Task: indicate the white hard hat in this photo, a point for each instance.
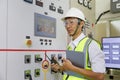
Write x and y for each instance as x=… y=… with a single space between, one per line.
x=74 y=12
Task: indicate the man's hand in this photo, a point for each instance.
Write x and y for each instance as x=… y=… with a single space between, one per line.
x=67 y=65
x=55 y=67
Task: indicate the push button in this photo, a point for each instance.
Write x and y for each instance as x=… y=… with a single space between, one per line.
x=28 y=42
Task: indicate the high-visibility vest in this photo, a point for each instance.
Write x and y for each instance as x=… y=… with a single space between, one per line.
x=81 y=47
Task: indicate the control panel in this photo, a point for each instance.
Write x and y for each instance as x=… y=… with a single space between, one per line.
x=115 y=6
x=34 y=65
x=39 y=26
x=30 y=35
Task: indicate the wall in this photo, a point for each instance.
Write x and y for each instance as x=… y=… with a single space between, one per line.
x=115 y=28
x=102 y=29
x=89 y=14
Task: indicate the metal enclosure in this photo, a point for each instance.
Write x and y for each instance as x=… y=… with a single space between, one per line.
x=23 y=54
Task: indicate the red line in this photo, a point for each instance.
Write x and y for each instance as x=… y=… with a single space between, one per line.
x=29 y=50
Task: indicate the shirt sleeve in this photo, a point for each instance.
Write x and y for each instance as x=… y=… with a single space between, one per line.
x=96 y=57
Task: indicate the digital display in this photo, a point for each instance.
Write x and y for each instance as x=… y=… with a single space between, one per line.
x=111 y=49
x=45 y=26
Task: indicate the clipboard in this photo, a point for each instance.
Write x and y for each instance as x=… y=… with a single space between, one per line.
x=77 y=59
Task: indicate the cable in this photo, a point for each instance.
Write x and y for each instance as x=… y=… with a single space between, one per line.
x=52 y=60
x=101 y=15
x=79 y=20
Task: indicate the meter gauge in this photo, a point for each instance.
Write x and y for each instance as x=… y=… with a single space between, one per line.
x=85 y=3
x=89 y=4
x=80 y=1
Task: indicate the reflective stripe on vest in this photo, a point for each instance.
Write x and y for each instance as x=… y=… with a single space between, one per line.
x=81 y=47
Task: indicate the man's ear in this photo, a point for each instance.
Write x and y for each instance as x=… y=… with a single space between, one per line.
x=82 y=23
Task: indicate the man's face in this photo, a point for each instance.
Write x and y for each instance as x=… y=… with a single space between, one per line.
x=71 y=24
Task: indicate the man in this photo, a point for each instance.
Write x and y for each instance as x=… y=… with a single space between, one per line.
x=74 y=22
